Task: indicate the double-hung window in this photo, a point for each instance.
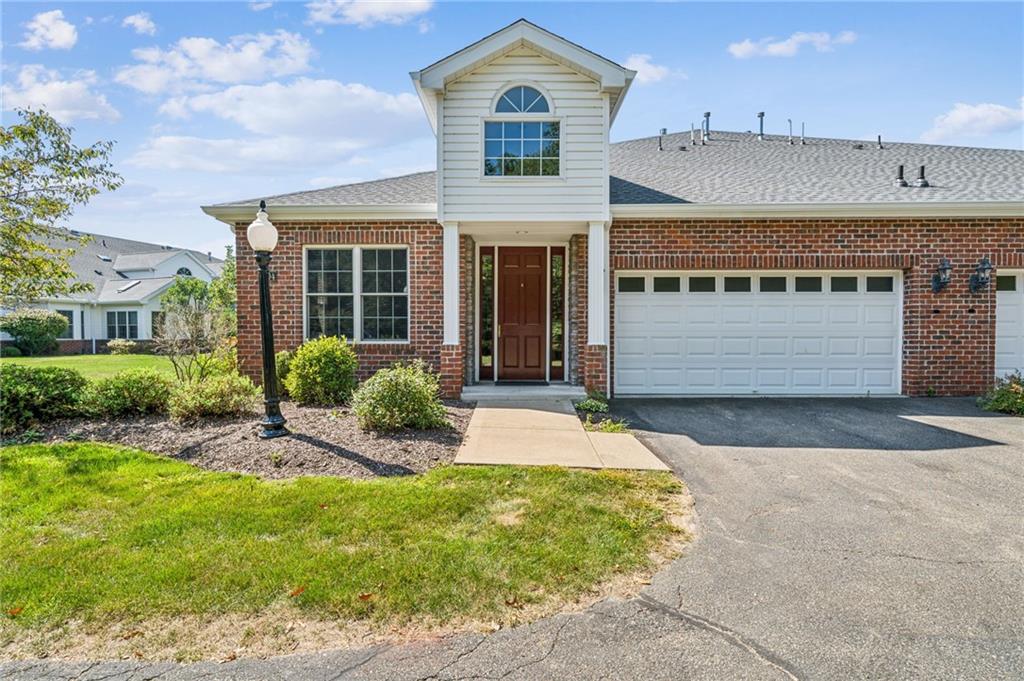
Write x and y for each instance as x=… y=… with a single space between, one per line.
x=522 y=140
x=70 y=331
x=123 y=324
x=361 y=293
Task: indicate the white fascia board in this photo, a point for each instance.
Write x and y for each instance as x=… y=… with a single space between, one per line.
x=204 y=265
x=428 y=99
x=611 y=75
x=398 y=211
x=821 y=210
x=145 y=299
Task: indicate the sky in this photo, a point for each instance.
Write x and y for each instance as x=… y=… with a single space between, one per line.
x=218 y=101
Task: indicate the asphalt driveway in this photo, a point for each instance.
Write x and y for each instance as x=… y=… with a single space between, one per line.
x=849 y=538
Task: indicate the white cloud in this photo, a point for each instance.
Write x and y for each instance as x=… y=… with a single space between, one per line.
x=649 y=72
x=770 y=47
x=50 y=30
x=67 y=100
x=367 y=13
x=334 y=121
x=141 y=23
x=260 y=6
x=975 y=120
x=194 y=63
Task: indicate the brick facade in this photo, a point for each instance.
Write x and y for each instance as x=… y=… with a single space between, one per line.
x=948 y=338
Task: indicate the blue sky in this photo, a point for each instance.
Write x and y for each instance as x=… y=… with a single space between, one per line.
x=218 y=101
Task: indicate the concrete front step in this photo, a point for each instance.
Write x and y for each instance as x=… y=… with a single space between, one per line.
x=516 y=393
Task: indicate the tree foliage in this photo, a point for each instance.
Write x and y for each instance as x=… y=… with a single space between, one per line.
x=35 y=331
x=43 y=176
x=194 y=330
x=225 y=291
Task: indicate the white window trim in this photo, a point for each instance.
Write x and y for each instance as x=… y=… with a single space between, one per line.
x=523 y=118
x=71 y=323
x=106 y=324
x=357 y=288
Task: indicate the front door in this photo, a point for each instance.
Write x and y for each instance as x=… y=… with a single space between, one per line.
x=522 y=313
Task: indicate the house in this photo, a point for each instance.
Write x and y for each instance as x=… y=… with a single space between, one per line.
x=693 y=263
x=127 y=277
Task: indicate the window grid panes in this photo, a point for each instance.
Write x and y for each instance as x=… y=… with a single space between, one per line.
x=329 y=297
x=385 y=298
x=70 y=331
x=521 y=148
x=123 y=324
x=521 y=99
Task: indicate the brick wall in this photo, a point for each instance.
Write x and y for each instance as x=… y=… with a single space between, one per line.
x=948 y=338
x=423 y=238
x=577 y=341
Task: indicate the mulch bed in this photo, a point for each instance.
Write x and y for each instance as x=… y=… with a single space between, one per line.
x=323 y=441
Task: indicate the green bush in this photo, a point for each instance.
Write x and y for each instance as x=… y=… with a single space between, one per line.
x=404 y=396
x=1007 y=396
x=35 y=331
x=322 y=371
x=122 y=346
x=592 y=405
x=30 y=395
x=219 y=395
x=132 y=391
x=283 y=360
x=10 y=351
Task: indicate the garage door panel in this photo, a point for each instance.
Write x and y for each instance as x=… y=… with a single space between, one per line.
x=1010 y=322
x=740 y=342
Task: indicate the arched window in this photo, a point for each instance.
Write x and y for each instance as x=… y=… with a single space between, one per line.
x=184 y=272
x=522 y=99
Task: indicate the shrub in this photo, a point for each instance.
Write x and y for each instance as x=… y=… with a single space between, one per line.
x=399 y=397
x=122 y=346
x=1007 y=396
x=220 y=395
x=608 y=425
x=592 y=405
x=283 y=360
x=322 y=371
x=30 y=395
x=224 y=359
x=35 y=331
x=10 y=351
x=132 y=391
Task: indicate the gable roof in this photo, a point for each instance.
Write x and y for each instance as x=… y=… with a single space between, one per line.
x=99 y=260
x=124 y=291
x=611 y=77
x=732 y=169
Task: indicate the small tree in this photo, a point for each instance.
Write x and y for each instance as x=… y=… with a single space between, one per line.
x=35 y=331
x=194 y=330
x=225 y=292
x=43 y=176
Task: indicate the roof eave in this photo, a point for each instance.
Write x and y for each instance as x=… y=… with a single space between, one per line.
x=232 y=215
x=812 y=210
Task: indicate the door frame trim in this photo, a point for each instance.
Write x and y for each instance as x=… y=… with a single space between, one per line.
x=547 y=245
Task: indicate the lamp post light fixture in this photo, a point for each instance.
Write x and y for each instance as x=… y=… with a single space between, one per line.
x=940 y=279
x=262 y=236
x=982 y=275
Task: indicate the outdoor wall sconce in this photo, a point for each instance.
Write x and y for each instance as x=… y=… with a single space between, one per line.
x=982 y=275
x=940 y=279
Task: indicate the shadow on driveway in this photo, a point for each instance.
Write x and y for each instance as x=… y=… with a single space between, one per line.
x=818 y=423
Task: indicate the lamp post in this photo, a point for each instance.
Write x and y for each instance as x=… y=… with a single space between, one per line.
x=262 y=236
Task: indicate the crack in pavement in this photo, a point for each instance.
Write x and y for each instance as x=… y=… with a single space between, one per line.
x=546 y=655
x=732 y=637
x=458 y=658
x=370 y=655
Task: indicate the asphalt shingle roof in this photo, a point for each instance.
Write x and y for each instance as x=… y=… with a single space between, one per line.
x=737 y=168
x=97 y=261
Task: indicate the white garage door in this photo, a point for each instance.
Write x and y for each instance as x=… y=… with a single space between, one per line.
x=766 y=333
x=1009 y=322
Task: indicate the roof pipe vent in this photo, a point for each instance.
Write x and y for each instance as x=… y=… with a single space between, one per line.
x=920 y=181
x=760 y=125
x=803 y=140
x=707 y=125
x=790 y=121
x=880 y=142
x=693 y=139
x=661 y=133
x=899 y=181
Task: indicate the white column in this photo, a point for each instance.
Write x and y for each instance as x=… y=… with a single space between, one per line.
x=597 y=284
x=451 y=283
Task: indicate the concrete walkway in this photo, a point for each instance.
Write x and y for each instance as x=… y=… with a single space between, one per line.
x=547 y=433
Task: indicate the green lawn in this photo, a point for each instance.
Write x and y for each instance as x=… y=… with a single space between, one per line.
x=98 y=366
x=104 y=533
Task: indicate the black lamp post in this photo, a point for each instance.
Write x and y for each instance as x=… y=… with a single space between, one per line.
x=262 y=236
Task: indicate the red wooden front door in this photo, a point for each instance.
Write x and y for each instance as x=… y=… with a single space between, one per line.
x=522 y=313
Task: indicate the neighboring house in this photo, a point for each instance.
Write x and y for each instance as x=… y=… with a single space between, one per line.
x=670 y=265
x=127 y=277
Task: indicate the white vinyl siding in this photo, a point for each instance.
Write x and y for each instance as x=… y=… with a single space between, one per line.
x=1009 y=321
x=579 y=193
x=729 y=333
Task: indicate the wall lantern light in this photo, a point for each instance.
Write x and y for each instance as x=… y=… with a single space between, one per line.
x=940 y=279
x=982 y=275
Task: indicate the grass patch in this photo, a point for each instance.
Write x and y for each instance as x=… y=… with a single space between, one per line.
x=606 y=425
x=99 y=533
x=98 y=366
